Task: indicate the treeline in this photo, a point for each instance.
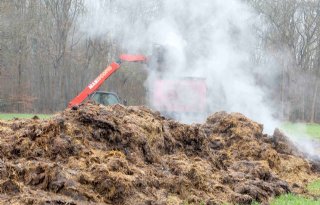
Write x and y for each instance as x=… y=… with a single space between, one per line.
x=45 y=61
x=292 y=36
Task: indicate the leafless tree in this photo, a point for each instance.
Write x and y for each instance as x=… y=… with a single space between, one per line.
x=45 y=61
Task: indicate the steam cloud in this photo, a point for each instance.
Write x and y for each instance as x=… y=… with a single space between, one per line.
x=208 y=39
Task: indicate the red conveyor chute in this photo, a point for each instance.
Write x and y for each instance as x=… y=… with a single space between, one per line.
x=95 y=85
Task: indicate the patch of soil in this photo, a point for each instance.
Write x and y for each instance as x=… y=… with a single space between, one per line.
x=94 y=154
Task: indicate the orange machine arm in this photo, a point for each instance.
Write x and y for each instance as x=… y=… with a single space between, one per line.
x=95 y=85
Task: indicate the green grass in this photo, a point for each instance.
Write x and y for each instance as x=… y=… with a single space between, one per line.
x=290 y=199
x=302 y=130
x=314 y=187
x=10 y=116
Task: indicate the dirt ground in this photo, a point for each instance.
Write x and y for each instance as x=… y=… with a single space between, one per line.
x=130 y=155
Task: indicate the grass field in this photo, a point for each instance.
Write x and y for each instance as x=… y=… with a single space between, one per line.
x=314 y=187
x=302 y=130
x=290 y=199
x=10 y=116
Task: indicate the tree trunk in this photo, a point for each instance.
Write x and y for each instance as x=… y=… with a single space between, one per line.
x=282 y=93
x=19 y=90
x=314 y=100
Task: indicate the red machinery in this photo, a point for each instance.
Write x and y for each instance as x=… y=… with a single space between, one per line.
x=95 y=85
x=167 y=94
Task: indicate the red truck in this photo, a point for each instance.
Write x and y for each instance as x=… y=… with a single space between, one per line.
x=179 y=95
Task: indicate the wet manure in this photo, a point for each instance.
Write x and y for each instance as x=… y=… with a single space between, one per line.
x=132 y=155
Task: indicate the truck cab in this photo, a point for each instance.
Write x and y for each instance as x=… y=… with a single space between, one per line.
x=105 y=98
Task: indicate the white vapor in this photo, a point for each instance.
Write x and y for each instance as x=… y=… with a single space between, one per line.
x=211 y=39
x=303 y=141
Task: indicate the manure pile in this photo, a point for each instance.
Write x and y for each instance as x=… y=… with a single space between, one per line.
x=130 y=155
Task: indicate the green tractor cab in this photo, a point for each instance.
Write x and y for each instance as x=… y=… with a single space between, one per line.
x=106 y=98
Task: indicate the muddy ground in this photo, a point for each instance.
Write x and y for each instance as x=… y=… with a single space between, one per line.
x=131 y=155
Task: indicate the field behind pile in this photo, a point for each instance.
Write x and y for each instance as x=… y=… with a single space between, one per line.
x=10 y=116
x=308 y=130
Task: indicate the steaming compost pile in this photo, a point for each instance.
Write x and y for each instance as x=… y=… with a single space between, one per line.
x=130 y=155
